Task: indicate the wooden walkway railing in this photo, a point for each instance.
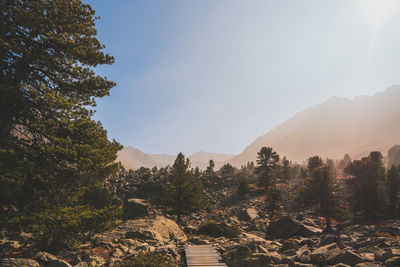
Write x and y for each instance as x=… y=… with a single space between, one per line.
x=202 y=256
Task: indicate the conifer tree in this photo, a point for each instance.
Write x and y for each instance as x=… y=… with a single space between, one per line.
x=185 y=192
x=365 y=185
x=393 y=188
x=318 y=189
x=267 y=160
x=285 y=169
x=273 y=200
x=51 y=150
x=243 y=188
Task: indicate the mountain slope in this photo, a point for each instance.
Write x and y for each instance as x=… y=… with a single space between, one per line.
x=132 y=158
x=334 y=128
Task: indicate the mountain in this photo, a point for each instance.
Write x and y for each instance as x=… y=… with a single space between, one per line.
x=132 y=158
x=201 y=159
x=333 y=128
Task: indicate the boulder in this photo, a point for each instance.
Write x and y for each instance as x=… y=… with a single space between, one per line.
x=326 y=240
x=392 y=262
x=44 y=258
x=136 y=208
x=303 y=254
x=249 y=214
x=308 y=231
x=158 y=230
x=350 y=258
x=383 y=255
x=290 y=244
x=284 y=227
x=326 y=254
x=12 y=262
x=58 y=263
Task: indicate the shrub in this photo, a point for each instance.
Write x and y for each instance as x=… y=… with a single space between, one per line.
x=68 y=226
x=219 y=229
x=148 y=259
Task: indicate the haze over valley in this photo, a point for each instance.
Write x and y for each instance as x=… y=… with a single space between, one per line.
x=330 y=129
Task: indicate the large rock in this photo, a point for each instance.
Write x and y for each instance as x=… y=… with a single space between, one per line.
x=13 y=262
x=286 y=227
x=350 y=258
x=159 y=230
x=308 y=231
x=136 y=208
x=249 y=214
x=326 y=254
x=392 y=262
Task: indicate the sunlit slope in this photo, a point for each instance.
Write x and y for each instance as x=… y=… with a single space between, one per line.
x=334 y=128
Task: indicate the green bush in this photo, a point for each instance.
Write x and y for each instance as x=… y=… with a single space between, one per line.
x=68 y=226
x=219 y=229
x=148 y=259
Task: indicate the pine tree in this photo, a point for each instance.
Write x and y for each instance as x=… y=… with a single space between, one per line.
x=243 y=188
x=285 y=169
x=273 y=200
x=210 y=167
x=318 y=189
x=185 y=193
x=393 y=188
x=365 y=185
x=267 y=160
x=51 y=151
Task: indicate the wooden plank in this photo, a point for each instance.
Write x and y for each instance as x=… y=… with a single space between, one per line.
x=203 y=256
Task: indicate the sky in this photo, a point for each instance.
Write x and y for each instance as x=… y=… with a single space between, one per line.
x=213 y=75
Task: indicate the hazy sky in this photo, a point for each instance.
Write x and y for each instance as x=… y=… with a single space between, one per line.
x=213 y=75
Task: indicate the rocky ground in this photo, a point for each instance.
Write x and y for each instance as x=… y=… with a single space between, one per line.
x=290 y=240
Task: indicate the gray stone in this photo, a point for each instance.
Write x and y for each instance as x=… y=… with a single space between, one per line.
x=383 y=255
x=350 y=258
x=392 y=262
x=308 y=231
x=136 y=208
x=44 y=257
x=249 y=214
x=284 y=227
x=326 y=254
x=326 y=240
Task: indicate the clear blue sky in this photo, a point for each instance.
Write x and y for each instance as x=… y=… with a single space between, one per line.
x=213 y=75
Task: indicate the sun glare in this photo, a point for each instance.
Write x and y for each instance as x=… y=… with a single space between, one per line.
x=377 y=10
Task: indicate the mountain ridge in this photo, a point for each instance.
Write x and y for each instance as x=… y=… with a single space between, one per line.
x=335 y=127
x=133 y=158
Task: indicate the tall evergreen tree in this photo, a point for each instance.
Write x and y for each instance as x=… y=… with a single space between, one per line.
x=210 y=167
x=365 y=185
x=285 y=169
x=318 y=189
x=267 y=160
x=273 y=200
x=51 y=151
x=244 y=181
x=185 y=193
x=313 y=163
x=393 y=188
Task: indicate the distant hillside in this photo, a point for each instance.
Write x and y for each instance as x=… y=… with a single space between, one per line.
x=334 y=128
x=201 y=159
x=132 y=158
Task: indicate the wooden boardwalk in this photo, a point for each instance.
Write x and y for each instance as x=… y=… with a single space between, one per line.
x=202 y=256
